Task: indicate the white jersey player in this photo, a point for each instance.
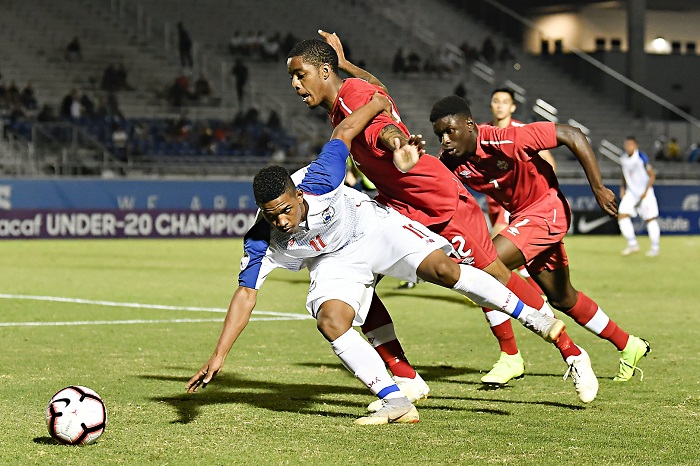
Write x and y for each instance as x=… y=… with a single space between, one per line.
x=638 y=198
x=345 y=240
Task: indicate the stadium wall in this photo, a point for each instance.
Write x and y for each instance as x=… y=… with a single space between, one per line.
x=88 y=208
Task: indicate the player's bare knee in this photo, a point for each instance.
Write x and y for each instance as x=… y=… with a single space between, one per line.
x=439 y=269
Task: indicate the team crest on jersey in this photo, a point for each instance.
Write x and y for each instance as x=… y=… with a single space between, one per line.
x=244 y=261
x=465 y=174
x=291 y=242
x=502 y=165
x=327 y=215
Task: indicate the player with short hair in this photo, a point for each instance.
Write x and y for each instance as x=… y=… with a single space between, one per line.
x=428 y=193
x=638 y=198
x=503 y=164
x=345 y=239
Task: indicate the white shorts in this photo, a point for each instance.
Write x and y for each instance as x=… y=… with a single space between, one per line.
x=647 y=208
x=393 y=245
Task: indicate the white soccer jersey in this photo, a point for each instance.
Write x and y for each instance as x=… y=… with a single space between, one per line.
x=634 y=169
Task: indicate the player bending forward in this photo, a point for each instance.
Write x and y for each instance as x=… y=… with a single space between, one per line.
x=345 y=239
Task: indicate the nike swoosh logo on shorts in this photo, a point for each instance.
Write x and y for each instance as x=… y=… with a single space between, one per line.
x=584 y=226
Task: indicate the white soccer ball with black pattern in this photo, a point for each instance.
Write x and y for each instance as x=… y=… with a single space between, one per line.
x=76 y=415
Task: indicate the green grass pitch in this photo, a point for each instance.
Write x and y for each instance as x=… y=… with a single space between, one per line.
x=284 y=398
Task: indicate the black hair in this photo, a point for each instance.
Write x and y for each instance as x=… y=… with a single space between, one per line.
x=631 y=138
x=451 y=105
x=270 y=183
x=315 y=52
x=507 y=90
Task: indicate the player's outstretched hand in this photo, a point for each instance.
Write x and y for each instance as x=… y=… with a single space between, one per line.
x=205 y=374
x=334 y=41
x=417 y=141
x=405 y=157
x=607 y=201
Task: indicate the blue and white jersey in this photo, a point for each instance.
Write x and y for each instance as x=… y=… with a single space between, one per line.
x=333 y=221
x=634 y=169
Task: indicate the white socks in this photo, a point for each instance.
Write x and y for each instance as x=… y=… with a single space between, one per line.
x=654 y=233
x=365 y=363
x=627 y=230
x=486 y=291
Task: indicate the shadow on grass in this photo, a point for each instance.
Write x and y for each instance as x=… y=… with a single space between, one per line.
x=44 y=440
x=453 y=298
x=553 y=404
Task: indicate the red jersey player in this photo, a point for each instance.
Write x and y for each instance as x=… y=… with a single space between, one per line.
x=504 y=164
x=428 y=193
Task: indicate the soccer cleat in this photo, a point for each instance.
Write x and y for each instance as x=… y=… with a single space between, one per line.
x=508 y=366
x=414 y=389
x=394 y=410
x=549 y=328
x=652 y=253
x=585 y=381
x=630 y=250
x=635 y=350
x=404 y=285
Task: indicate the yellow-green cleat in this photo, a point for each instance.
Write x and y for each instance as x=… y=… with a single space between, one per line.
x=635 y=350
x=508 y=366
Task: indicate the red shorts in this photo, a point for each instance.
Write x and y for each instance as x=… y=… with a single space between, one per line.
x=469 y=234
x=538 y=232
x=497 y=214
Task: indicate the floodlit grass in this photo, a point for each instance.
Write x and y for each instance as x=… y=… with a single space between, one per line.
x=284 y=398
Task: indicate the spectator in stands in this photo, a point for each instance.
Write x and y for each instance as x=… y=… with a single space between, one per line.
x=28 y=97
x=505 y=55
x=109 y=79
x=271 y=48
x=73 y=50
x=398 y=65
x=693 y=153
x=470 y=53
x=673 y=151
x=179 y=91
x=289 y=41
x=120 y=142
x=202 y=89
x=88 y=106
x=413 y=62
x=240 y=73
x=273 y=120
x=206 y=139
x=67 y=104
x=660 y=148
x=184 y=46
x=461 y=91
x=46 y=114
x=3 y=93
x=488 y=50
x=13 y=96
x=121 y=80
x=112 y=107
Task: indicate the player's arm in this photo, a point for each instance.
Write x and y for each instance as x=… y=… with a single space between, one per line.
x=652 y=177
x=356 y=122
x=237 y=317
x=345 y=65
x=623 y=186
x=576 y=141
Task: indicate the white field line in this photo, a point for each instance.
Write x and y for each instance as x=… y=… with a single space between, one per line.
x=273 y=315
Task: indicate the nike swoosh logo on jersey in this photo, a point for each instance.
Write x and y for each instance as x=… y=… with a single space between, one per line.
x=584 y=226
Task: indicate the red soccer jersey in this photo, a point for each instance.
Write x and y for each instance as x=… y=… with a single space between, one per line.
x=507 y=166
x=428 y=193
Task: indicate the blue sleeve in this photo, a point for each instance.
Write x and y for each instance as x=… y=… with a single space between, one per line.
x=644 y=158
x=255 y=244
x=327 y=172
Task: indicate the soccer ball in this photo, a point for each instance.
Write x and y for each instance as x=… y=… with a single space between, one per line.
x=76 y=415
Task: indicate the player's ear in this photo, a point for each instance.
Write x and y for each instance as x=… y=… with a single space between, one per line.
x=325 y=71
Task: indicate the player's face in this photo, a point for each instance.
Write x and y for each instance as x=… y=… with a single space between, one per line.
x=630 y=146
x=308 y=81
x=502 y=105
x=286 y=212
x=455 y=133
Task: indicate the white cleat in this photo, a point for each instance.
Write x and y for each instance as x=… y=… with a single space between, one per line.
x=585 y=381
x=549 y=328
x=395 y=410
x=630 y=250
x=652 y=253
x=414 y=389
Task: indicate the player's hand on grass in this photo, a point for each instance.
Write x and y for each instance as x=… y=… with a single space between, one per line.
x=205 y=374
x=334 y=41
x=406 y=156
x=607 y=201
